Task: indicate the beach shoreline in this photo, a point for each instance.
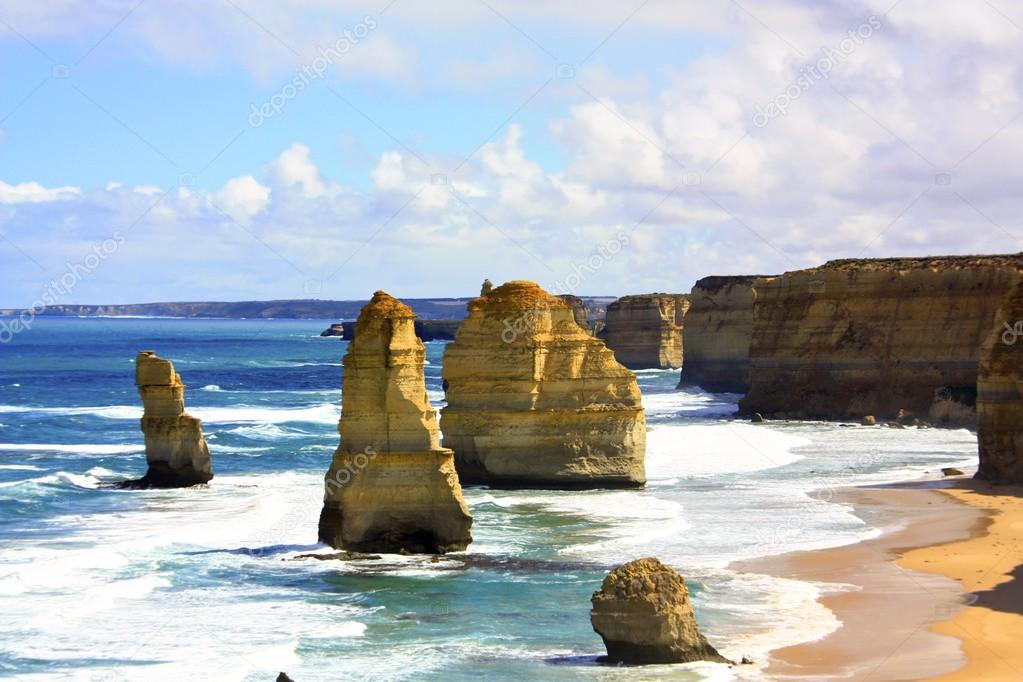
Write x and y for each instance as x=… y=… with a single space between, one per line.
x=931 y=597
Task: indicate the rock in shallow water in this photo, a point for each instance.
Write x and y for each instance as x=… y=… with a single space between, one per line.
x=643 y=613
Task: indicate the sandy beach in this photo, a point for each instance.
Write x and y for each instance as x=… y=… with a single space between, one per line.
x=933 y=597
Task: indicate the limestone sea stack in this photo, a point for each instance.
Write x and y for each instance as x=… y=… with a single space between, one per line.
x=716 y=335
x=878 y=337
x=1000 y=395
x=533 y=401
x=643 y=613
x=390 y=487
x=646 y=331
x=578 y=310
x=176 y=451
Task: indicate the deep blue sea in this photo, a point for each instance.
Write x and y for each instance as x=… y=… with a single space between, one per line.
x=98 y=584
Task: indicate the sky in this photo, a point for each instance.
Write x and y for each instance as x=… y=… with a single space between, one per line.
x=258 y=149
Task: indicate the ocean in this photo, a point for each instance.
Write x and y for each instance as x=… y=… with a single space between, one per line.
x=100 y=584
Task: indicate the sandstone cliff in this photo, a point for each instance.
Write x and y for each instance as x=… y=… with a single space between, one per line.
x=578 y=307
x=1000 y=395
x=176 y=451
x=873 y=337
x=643 y=613
x=716 y=335
x=646 y=331
x=535 y=401
x=390 y=486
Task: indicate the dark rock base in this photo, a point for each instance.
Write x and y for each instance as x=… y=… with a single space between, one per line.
x=160 y=475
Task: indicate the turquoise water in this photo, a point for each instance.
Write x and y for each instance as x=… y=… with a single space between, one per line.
x=98 y=584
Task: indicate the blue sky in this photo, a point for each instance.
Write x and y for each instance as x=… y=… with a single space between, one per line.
x=470 y=139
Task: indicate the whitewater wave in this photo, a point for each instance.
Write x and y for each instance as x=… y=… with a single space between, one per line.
x=76 y=448
x=211 y=387
x=679 y=450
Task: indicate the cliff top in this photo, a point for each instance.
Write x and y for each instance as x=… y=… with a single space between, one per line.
x=644 y=579
x=383 y=305
x=715 y=283
x=636 y=298
x=934 y=262
x=518 y=295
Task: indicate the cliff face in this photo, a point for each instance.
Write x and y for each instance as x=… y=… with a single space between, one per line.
x=578 y=310
x=426 y=330
x=535 y=401
x=646 y=331
x=176 y=451
x=1000 y=396
x=390 y=486
x=717 y=332
x=871 y=337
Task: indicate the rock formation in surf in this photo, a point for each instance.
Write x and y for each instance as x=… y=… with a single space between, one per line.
x=643 y=613
x=873 y=337
x=176 y=452
x=536 y=402
x=646 y=331
x=390 y=487
x=716 y=335
x=1000 y=395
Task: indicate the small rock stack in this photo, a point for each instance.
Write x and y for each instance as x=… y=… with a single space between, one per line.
x=176 y=451
x=643 y=613
x=390 y=487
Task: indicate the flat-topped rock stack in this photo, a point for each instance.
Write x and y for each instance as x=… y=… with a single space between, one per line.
x=876 y=337
x=535 y=401
x=176 y=451
x=646 y=331
x=1000 y=395
x=717 y=332
x=390 y=487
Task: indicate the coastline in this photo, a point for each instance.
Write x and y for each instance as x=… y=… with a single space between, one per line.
x=932 y=597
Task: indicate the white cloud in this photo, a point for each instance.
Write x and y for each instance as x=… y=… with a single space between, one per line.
x=243 y=196
x=33 y=192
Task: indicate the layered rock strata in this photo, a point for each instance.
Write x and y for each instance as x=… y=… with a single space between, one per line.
x=579 y=313
x=390 y=487
x=1000 y=395
x=717 y=332
x=643 y=613
x=646 y=331
x=884 y=337
x=176 y=451
x=534 y=401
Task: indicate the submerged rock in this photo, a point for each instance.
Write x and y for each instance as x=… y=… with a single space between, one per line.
x=951 y=471
x=646 y=331
x=390 y=487
x=176 y=451
x=536 y=402
x=869 y=420
x=643 y=613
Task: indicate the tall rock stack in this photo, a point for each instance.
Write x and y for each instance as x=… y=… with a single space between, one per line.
x=390 y=487
x=876 y=337
x=717 y=332
x=646 y=331
x=176 y=452
x=536 y=402
x=1000 y=395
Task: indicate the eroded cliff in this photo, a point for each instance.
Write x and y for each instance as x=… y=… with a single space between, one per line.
x=717 y=332
x=873 y=337
x=646 y=331
x=1000 y=395
x=535 y=401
